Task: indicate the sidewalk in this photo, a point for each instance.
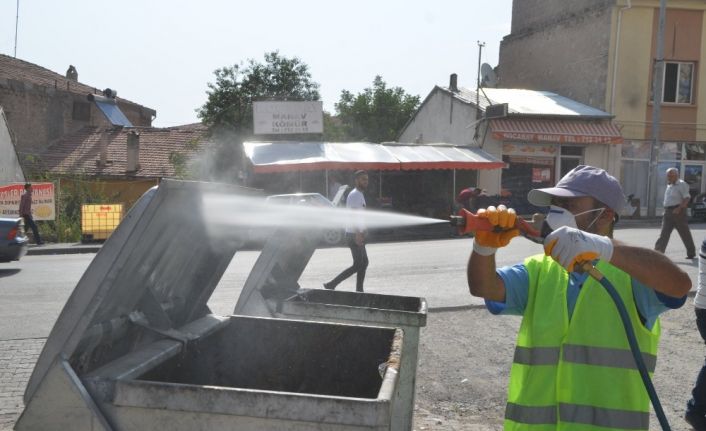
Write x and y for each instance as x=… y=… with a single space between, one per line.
x=62 y=248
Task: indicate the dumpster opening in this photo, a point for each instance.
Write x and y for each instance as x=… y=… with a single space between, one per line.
x=354 y=299
x=285 y=356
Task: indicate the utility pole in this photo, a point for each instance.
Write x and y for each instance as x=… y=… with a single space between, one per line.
x=480 y=51
x=657 y=89
x=17 y=21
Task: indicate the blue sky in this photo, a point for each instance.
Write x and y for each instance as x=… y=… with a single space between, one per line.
x=162 y=54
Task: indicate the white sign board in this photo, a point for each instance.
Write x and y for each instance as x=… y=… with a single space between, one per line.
x=277 y=118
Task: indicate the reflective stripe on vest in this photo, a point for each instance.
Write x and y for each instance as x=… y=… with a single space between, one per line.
x=589 y=355
x=547 y=415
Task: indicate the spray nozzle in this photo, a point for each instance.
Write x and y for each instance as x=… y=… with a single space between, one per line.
x=467 y=222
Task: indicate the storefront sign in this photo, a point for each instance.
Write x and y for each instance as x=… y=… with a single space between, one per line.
x=533 y=150
x=43 y=202
x=541 y=175
x=556 y=138
x=276 y=118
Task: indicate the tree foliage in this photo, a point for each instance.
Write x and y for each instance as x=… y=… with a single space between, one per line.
x=377 y=114
x=230 y=97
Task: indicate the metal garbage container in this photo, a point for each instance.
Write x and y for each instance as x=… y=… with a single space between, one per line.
x=136 y=347
x=272 y=289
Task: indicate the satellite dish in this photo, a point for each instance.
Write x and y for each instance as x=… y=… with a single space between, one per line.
x=488 y=77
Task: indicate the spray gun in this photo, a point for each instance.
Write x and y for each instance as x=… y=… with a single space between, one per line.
x=536 y=230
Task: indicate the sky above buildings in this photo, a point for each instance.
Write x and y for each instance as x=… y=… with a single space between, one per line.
x=162 y=54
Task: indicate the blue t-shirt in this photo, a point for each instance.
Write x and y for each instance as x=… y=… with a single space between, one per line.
x=650 y=303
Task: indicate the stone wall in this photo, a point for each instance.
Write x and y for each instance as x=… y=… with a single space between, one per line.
x=560 y=46
x=38 y=115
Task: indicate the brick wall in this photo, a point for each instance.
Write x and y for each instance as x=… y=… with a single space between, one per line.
x=38 y=115
x=560 y=46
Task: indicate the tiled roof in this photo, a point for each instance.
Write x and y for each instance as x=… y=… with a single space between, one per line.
x=78 y=153
x=19 y=70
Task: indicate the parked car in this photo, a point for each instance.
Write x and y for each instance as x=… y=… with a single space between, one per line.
x=330 y=236
x=13 y=241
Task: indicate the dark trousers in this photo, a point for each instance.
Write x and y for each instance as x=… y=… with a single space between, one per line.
x=29 y=221
x=671 y=221
x=360 y=264
x=697 y=403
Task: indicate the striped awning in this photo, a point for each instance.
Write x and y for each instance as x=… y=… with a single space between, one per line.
x=556 y=131
x=317 y=156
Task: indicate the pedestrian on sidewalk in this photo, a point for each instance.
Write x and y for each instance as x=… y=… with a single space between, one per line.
x=573 y=367
x=26 y=213
x=676 y=199
x=696 y=406
x=355 y=235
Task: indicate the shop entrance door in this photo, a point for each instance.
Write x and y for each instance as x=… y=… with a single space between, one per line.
x=693 y=175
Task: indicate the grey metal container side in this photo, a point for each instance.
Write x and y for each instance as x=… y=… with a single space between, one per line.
x=272 y=289
x=137 y=326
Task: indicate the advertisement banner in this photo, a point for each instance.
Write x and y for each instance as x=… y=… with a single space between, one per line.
x=43 y=201
x=276 y=118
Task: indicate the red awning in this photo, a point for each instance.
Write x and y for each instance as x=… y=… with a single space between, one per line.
x=316 y=156
x=555 y=130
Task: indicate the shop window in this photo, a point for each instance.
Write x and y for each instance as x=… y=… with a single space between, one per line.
x=635 y=178
x=635 y=149
x=670 y=151
x=523 y=174
x=570 y=158
x=695 y=151
x=677 y=82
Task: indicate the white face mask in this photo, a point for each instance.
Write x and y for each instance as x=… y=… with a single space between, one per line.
x=559 y=217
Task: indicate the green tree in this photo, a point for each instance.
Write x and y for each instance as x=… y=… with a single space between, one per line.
x=377 y=114
x=228 y=110
x=229 y=104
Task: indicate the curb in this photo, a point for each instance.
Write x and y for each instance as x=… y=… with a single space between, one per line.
x=50 y=249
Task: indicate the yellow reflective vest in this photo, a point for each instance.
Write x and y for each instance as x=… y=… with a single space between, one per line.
x=578 y=374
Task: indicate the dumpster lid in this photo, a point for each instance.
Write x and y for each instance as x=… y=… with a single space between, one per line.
x=276 y=272
x=154 y=274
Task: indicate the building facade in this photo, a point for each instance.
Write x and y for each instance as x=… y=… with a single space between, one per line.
x=543 y=136
x=42 y=105
x=602 y=53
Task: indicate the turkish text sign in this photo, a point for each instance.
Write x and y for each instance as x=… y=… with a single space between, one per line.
x=277 y=118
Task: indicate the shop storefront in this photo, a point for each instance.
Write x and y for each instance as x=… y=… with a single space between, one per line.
x=688 y=157
x=421 y=179
x=538 y=152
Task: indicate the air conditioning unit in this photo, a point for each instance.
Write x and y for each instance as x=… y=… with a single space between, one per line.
x=496 y=111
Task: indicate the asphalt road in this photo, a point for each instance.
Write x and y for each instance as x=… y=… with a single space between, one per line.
x=33 y=290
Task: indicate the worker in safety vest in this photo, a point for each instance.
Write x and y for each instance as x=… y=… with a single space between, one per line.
x=572 y=365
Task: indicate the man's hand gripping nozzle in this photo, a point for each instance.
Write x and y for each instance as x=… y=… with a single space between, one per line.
x=468 y=222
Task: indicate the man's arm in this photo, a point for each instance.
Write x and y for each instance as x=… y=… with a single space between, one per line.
x=651 y=268
x=684 y=189
x=482 y=278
